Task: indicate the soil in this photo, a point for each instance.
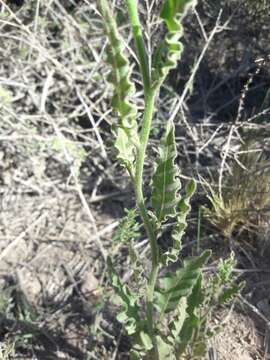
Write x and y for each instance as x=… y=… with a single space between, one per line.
x=239 y=339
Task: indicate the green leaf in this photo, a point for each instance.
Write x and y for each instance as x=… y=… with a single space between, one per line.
x=196 y=298
x=128 y=232
x=137 y=266
x=165 y=181
x=179 y=318
x=124 y=147
x=146 y=341
x=142 y=343
x=186 y=336
x=225 y=269
x=126 y=131
x=129 y=316
x=169 y=51
x=172 y=8
x=128 y=228
x=165 y=349
x=230 y=293
x=135 y=355
x=192 y=322
x=183 y=209
x=176 y=286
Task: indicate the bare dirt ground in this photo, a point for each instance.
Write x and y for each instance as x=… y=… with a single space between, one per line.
x=239 y=340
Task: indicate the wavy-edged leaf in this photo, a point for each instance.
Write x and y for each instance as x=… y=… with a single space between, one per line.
x=179 y=318
x=126 y=131
x=225 y=269
x=169 y=51
x=129 y=316
x=178 y=285
x=128 y=232
x=128 y=229
x=226 y=281
x=186 y=289
x=165 y=182
x=183 y=209
x=137 y=266
x=192 y=322
x=230 y=293
x=125 y=148
x=196 y=298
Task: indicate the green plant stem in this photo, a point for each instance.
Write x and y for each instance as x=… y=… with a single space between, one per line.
x=132 y=6
x=140 y=159
x=138 y=184
x=149 y=309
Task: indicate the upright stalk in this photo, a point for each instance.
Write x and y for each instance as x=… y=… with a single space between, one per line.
x=149 y=98
x=138 y=184
x=148 y=334
x=132 y=6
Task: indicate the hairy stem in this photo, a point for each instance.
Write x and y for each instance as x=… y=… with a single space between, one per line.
x=132 y=6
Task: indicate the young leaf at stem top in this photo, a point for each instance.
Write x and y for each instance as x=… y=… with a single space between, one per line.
x=127 y=138
x=168 y=53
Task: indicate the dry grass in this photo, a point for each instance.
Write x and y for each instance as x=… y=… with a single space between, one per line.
x=53 y=158
x=245 y=198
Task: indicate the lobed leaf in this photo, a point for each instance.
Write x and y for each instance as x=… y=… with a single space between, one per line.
x=126 y=130
x=129 y=316
x=182 y=294
x=225 y=269
x=230 y=293
x=181 y=284
x=196 y=297
x=169 y=51
x=227 y=281
x=192 y=323
x=137 y=266
x=183 y=209
x=165 y=181
x=128 y=229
